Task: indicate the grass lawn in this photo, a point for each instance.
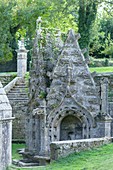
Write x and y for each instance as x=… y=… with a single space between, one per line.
x=15 y=147
x=97 y=159
x=101 y=69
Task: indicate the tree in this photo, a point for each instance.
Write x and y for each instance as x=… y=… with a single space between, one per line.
x=5 y=35
x=87 y=16
x=102 y=36
x=18 y=20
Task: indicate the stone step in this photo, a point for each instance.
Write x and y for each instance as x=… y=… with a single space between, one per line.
x=22 y=87
x=19 y=83
x=24 y=163
x=18 y=99
x=19 y=87
x=19 y=91
x=23 y=95
x=19 y=104
x=43 y=160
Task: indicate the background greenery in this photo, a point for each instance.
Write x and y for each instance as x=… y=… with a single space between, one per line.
x=92 y=19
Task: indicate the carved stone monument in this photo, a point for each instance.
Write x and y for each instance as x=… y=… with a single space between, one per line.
x=64 y=103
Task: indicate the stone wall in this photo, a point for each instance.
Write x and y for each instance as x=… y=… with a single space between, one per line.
x=64 y=148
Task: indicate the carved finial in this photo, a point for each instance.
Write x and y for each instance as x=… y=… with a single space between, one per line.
x=77 y=36
x=93 y=74
x=38 y=23
x=84 y=50
x=104 y=80
x=72 y=37
x=21 y=44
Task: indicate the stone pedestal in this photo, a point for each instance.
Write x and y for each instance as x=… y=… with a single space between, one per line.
x=21 y=60
x=108 y=121
x=103 y=128
x=5 y=130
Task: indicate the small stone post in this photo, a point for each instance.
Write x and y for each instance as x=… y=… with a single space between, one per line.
x=5 y=130
x=104 y=95
x=21 y=60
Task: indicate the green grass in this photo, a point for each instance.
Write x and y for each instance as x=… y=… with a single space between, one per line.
x=15 y=147
x=96 y=159
x=101 y=69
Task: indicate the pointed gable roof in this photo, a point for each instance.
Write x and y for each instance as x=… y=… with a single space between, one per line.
x=72 y=72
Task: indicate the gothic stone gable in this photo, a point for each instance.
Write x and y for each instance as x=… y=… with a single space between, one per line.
x=72 y=72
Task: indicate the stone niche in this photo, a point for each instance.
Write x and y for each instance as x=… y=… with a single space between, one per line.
x=70 y=128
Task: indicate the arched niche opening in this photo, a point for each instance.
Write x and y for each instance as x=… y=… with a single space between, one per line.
x=71 y=128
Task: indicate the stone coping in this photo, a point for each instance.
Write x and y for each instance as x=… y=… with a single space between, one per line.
x=104 y=74
x=80 y=140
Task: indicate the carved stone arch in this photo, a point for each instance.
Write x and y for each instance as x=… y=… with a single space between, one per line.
x=54 y=121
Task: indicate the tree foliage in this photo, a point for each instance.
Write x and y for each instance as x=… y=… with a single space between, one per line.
x=18 y=19
x=5 y=35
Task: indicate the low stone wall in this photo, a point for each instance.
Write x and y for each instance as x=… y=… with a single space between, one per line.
x=11 y=84
x=64 y=148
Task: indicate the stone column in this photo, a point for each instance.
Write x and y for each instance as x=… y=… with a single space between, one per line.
x=5 y=130
x=40 y=138
x=104 y=107
x=21 y=60
x=104 y=95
